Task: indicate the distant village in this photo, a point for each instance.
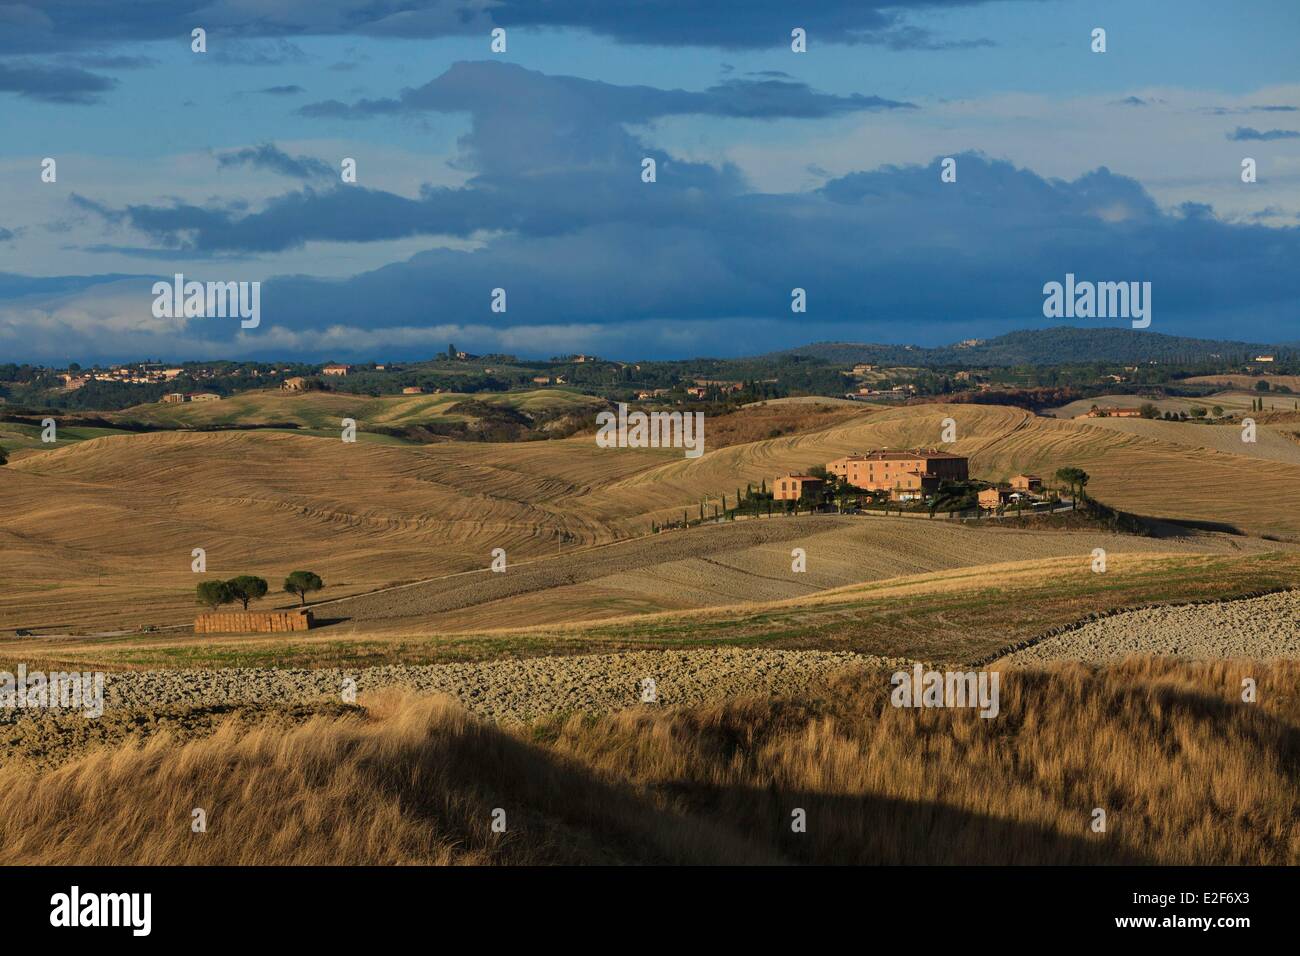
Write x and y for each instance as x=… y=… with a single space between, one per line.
x=1167 y=387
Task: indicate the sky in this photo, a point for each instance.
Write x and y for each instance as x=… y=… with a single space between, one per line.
x=522 y=169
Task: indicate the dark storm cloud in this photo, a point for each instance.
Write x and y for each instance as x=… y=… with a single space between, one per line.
x=77 y=24
x=111 y=61
x=549 y=154
x=53 y=84
x=1236 y=110
x=269 y=156
x=1245 y=133
x=868 y=247
x=509 y=89
x=568 y=227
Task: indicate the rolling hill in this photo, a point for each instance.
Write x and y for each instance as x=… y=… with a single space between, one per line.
x=325 y=410
x=1232 y=402
x=99 y=534
x=1246 y=382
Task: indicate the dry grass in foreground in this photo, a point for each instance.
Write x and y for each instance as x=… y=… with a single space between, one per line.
x=1186 y=772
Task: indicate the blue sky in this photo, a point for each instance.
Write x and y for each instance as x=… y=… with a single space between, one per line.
x=521 y=170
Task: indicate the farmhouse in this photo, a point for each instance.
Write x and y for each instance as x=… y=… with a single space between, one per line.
x=913 y=487
x=336 y=369
x=413 y=390
x=173 y=398
x=885 y=470
x=794 y=487
x=1027 y=483
x=295 y=384
x=720 y=385
x=202 y=397
x=1096 y=412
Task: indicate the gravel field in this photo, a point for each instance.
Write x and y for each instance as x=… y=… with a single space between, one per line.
x=1261 y=627
x=513 y=690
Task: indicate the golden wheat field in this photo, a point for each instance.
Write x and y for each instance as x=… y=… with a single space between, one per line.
x=100 y=534
x=1280 y=442
x=327 y=409
x=1248 y=382
x=1235 y=401
x=405 y=780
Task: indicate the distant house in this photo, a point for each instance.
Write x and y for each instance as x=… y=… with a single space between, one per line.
x=697 y=391
x=1096 y=412
x=336 y=369
x=1264 y=358
x=202 y=397
x=541 y=380
x=413 y=390
x=794 y=487
x=651 y=393
x=582 y=359
x=295 y=384
x=173 y=398
x=720 y=385
x=1027 y=483
x=171 y=373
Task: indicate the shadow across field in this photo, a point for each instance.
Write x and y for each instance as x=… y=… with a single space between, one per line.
x=1184 y=772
